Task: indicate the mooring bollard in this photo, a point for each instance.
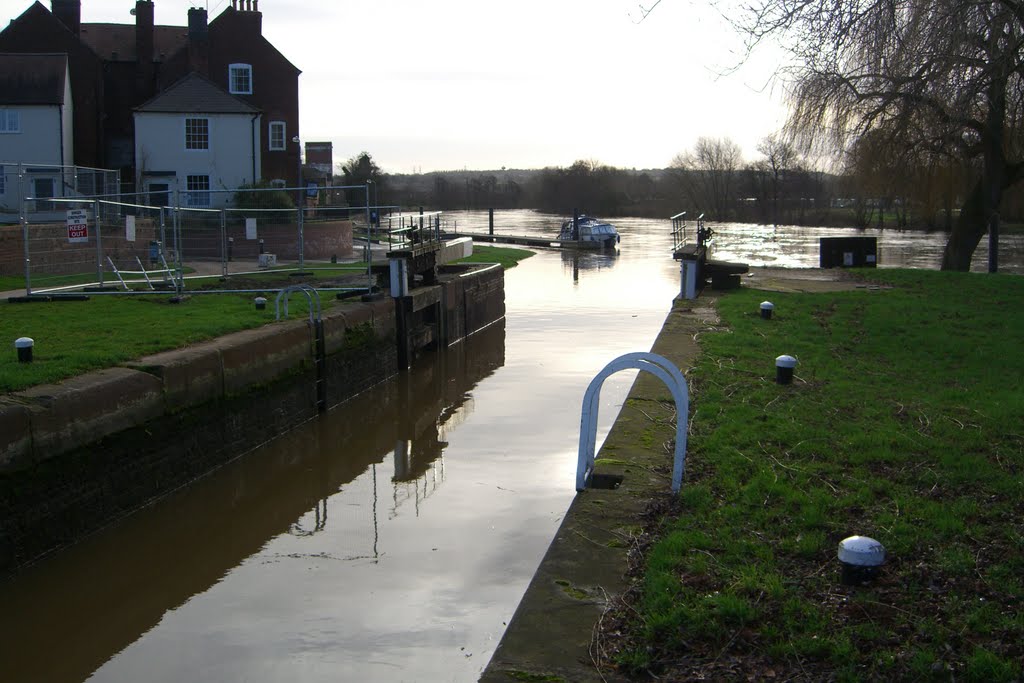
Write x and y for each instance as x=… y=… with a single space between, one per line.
x=862 y=558
x=784 y=366
x=24 y=346
x=261 y=303
x=766 y=310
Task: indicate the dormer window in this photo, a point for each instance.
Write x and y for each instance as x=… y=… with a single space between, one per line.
x=240 y=79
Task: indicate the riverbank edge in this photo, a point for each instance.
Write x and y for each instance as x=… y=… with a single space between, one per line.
x=78 y=455
x=550 y=635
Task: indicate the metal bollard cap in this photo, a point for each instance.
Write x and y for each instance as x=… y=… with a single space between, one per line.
x=861 y=551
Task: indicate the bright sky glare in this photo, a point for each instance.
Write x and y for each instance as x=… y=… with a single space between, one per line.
x=482 y=84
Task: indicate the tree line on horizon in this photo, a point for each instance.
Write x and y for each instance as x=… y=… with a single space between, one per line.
x=877 y=187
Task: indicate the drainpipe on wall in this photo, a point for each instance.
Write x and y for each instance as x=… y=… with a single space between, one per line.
x=252 y=146
x=60 y=122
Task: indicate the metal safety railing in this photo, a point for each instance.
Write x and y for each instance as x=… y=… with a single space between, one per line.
x=661 y=368
x=678 y=231
x=407 y=230
x=319 y=341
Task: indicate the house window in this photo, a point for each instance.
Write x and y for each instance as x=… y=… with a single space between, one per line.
x=9 y=121
x=240 y=79
x=198 y=190
x=197 y=134
x=277 y=137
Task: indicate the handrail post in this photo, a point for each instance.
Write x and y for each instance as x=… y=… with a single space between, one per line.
x=99 y=241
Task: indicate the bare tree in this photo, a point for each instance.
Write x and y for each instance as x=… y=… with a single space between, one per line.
x=942 y=77
x=779 y=157
x=707 y=174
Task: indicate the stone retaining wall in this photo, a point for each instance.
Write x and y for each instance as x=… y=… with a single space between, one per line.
x=77 y=455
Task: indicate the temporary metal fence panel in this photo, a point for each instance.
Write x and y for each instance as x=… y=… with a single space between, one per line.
x=87 y=240
x=84 y=241
x=28 y=188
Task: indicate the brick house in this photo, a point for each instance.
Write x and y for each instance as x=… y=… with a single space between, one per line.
x=115 y=68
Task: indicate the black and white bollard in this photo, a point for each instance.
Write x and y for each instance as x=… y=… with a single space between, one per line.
x=861 y=558
x=24 y=346
x=766 y=310
x=784 y=366
x=261 y=303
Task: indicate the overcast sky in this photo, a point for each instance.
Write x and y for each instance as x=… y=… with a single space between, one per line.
x=427 y=85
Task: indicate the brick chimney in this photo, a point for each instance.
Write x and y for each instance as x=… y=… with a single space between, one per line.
x=249 y=13
x=69 y=12
x=144 y=71
x=198 y=41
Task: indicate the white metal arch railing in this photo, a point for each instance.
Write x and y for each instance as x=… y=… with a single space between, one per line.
x=661 y=368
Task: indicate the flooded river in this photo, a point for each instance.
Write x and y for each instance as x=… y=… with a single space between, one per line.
x=390 y=539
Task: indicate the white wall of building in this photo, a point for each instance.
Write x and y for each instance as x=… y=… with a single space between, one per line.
x=36 y=144
x=38 y=141
x=230 y=161
x=67 y=118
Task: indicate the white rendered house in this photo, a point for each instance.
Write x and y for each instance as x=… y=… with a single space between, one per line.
x=36 y=134
x=195 y=144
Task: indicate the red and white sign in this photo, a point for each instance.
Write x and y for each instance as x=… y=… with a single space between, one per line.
x=78 y=226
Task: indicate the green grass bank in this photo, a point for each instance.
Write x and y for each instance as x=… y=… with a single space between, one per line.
x=74 y=337
x=905 y=422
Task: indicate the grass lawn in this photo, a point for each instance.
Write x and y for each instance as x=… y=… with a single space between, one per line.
x=905 y=423
x=73 y=337
x=506 y=256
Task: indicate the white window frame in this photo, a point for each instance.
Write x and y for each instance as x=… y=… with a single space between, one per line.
x=195 y=195
x=239 y=68
x=196 y=139
x=10 y=120
x=284 y=137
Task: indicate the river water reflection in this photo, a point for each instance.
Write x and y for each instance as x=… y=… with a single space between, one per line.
x=391 y=539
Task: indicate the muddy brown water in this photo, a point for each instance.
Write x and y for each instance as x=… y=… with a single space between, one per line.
x=389 y=540
x=392 y=538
